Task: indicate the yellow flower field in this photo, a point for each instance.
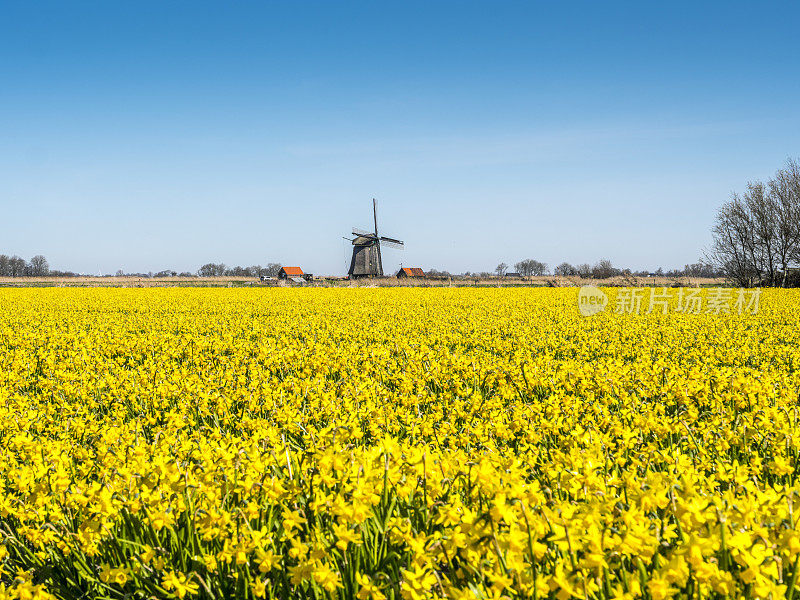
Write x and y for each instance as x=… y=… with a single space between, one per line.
x=394 y=443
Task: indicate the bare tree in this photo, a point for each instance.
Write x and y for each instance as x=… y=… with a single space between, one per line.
x=16 y=266
x=762 y=213
x=39 y=266
x=565 y=270
x=271 y=270
x=733 y=248
x=237 y=272
x=530 y=267
x=700 y=269
x=784 y=192
x=211 y=270
x=603 y=269
x=756 y=236
x=501 y=269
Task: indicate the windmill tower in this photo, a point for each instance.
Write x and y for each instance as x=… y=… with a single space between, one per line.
x=366 y=260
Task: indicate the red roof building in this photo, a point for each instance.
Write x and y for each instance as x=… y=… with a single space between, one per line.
x=410 y=272
x=290 y=272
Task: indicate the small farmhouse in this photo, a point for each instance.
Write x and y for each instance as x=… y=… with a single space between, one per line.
x=410 y=272
x=289 y=272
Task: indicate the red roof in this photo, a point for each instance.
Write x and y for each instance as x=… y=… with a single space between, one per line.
x=413 y=272
x=293 y=271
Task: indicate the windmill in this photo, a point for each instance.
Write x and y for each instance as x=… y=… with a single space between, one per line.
x=366 y=261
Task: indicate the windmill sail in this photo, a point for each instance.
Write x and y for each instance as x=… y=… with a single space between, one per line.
x=392 y=243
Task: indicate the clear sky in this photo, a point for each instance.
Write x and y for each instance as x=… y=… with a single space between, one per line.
x=153 y=135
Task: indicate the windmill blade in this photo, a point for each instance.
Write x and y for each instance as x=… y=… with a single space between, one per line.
x=392 y=243
x=388 y=239
x=361 y=232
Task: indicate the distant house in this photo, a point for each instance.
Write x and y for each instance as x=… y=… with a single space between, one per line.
x=513 y=275
x=410 y=272
x=288 y=272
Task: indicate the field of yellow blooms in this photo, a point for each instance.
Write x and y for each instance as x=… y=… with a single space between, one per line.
x=382 y=444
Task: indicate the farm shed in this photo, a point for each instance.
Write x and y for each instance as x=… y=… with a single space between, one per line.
x=410 y=272
x=287 y=272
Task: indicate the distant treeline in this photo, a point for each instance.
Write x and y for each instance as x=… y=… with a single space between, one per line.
x=603 y=269
x=213 y=270
x=220 y=270
x=14 y=266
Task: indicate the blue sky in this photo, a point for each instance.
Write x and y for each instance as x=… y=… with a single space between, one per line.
x=153 y=135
